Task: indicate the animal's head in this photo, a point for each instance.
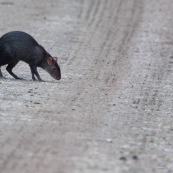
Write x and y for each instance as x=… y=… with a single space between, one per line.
x=53 y=68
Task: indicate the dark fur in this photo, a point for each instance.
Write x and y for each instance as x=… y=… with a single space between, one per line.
x=18 y=46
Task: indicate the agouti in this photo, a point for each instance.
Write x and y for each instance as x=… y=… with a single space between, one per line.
x=18 y=46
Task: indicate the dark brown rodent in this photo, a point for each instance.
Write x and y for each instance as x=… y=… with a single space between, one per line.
x=18 y=46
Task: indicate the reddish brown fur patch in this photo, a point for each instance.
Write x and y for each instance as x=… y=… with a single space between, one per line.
x=49 y=60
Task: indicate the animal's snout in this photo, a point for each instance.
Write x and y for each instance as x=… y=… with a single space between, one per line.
x=57 y=77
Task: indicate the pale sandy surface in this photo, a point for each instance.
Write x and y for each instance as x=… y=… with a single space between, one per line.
x=112 y=112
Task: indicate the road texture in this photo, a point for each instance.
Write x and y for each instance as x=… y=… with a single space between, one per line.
x=113 y=109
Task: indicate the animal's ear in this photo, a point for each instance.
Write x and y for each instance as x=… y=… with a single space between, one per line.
x=55 y=58
x=49 y=60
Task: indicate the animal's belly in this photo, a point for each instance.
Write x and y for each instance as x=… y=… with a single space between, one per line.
x=5 y=60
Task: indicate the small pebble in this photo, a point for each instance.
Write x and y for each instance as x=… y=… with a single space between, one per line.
x=37 y=103
x=109 y=140
x=135 y=157
x=123 y=158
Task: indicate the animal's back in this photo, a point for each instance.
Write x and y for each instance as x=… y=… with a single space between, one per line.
x=16 y=44
x=19 y=38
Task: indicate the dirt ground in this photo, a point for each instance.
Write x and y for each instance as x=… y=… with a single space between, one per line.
x=112 y=112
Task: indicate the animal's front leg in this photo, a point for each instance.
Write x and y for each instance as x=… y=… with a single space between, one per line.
x=35 y=72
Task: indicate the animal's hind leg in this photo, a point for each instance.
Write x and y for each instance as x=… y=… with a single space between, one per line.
x=32 y=72
x=10 y=67
x=1 y=76
x=0 y=73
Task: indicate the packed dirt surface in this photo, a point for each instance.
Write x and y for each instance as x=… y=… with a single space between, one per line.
x=112 y=111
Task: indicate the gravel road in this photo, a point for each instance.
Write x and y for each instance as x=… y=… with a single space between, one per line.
x=112 y=112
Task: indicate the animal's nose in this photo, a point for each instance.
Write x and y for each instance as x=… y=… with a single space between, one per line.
x=58 y=78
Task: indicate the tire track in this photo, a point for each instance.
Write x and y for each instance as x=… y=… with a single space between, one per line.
x=83 y=35
x=97 y=25
x=99 y=15
x=152 y=86
x=100 y=60
x=108 y=34
x=89 y=11
x=108 y=45
x=81 y=10
x=93 y=24
x=132 y=25
x=94 y=14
